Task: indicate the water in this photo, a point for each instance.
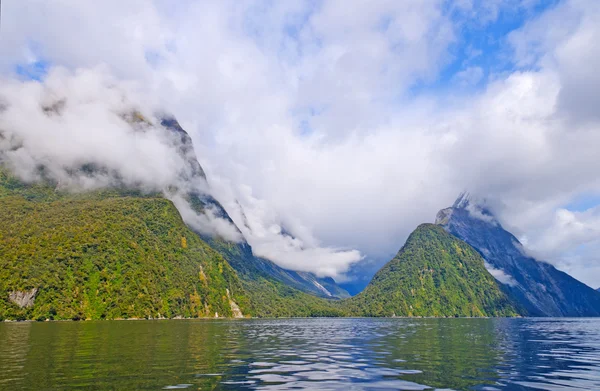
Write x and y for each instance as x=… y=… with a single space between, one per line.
x=334 y=354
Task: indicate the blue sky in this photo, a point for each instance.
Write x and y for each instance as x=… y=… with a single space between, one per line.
x=483 y=44
x=34 y=71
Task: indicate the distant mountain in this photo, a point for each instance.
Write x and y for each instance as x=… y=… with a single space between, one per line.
x=360 y=274
x=433 y=274
x=240 y=255
x=538 y=287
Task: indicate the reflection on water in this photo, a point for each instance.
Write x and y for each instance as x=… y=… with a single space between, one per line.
x=327 y=354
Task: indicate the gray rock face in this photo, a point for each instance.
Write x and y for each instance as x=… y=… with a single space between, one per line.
x=236 y=312
x=537 y=286
x=23 y=299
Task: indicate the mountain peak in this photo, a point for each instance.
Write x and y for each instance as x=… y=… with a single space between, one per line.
x=463 y=200
x=538 y=287
x=468 y=203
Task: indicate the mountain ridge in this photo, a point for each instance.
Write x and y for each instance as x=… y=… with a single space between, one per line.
x=464 y=265
x=538 y=286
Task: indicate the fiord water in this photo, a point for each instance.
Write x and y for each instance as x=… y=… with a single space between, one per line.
x=324 y=354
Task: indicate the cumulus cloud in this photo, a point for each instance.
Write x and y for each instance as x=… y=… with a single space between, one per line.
x=324 y=110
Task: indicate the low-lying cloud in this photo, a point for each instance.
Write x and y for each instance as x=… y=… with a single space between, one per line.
x=501 y=276
x=87 y=131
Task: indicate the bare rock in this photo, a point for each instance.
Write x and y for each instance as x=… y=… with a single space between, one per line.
x=235 y=309
x=23 y=299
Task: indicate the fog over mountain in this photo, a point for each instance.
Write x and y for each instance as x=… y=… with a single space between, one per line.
x=84 y=131
x=328 y=132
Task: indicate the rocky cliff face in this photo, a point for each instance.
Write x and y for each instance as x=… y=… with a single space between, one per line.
x=23 y=299
x=537 y=286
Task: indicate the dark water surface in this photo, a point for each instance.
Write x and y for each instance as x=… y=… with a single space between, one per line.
x=334 y=354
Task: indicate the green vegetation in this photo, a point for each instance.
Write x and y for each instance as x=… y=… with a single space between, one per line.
x=123 y=254
x=434 y=274
x=105 y=255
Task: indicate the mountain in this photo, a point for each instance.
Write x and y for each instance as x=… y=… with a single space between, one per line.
x=240 y=255
x=537 y=286
x=106 y=255
x=433 y=274
x=124 y=252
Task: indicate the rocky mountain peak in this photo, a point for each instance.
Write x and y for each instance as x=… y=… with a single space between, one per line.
x=536 y=286
x=463 y=200
x=466 y=205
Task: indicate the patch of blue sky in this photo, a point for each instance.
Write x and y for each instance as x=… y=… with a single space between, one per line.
x=34 y=65
x=583 y=202
x=481 y=45
x=305 y=128
x=36 y=70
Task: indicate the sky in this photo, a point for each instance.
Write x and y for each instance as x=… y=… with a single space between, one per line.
x=331 y=129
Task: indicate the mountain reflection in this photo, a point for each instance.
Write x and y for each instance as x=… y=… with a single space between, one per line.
x=335 y=354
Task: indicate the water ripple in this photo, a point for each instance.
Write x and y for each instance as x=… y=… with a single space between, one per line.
x=326 y=354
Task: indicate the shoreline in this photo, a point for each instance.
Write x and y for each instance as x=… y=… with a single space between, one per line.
x=281 y=318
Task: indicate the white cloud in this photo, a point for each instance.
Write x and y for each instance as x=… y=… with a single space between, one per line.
x=501 y=276
x=208 y=223
x=284 y=240
x=312 y=107
x=469 y=77
x=571 y=241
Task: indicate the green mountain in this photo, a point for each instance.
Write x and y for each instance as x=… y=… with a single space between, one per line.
x=434 y=274
x=122 y=254
x=105 y=255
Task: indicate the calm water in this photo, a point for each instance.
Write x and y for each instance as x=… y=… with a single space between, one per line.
x=335 y=354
